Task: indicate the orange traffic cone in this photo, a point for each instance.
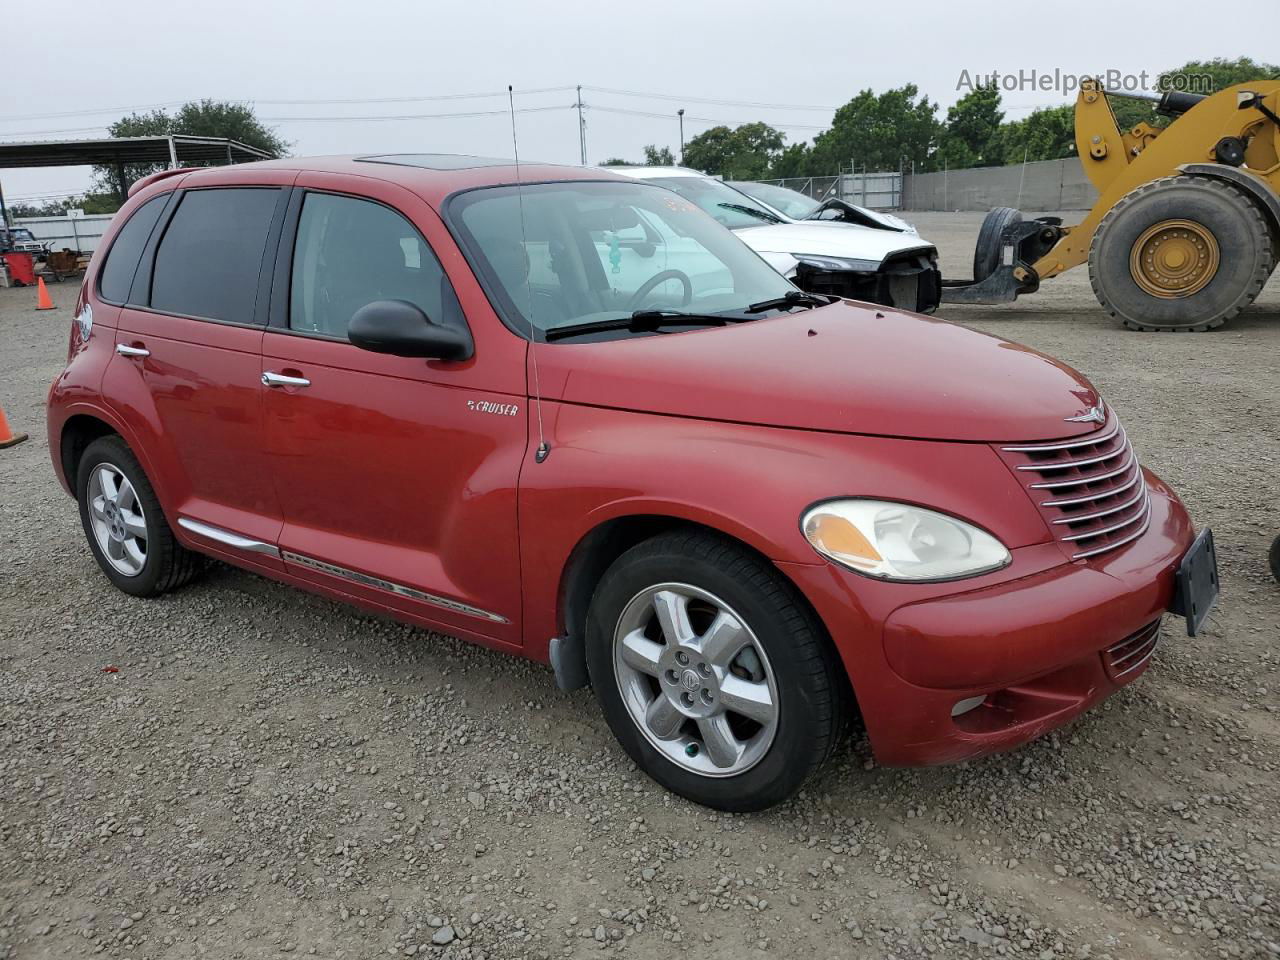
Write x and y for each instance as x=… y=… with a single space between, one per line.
x=43 y=300
x=7 y=437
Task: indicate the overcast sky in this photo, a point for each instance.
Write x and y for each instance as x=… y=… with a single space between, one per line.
x=101 y=57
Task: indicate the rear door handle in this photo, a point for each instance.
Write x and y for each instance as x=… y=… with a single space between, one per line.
x=127 y=351
x=272 y=379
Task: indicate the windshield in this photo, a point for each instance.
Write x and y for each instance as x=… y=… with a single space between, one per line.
x=731 y=207
x=793 y=203
x=601 y=250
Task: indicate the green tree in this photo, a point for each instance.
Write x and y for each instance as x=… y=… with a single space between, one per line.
x=1219 y=72
x=794 y=161
x=658 y=156
x=203 y=118
x=88 y=202
x=618 y=162
x=744 y=153
x=878 y=132
x=1048 y=133
x=971 y=137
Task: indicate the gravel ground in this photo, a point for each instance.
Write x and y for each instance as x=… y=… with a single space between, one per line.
x=241 y=769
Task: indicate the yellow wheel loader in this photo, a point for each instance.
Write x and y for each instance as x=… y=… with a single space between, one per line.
x=1186 y=229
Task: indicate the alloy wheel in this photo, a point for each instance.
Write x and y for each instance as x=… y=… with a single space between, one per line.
x=695 y=680
x=118 y=521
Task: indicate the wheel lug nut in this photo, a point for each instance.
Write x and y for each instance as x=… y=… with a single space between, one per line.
x=682 y=658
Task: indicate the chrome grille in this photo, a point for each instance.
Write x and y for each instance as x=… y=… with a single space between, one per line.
x=1132 y=652
x=1090 y=489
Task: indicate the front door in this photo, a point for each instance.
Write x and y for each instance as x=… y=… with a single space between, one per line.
x=396 y=476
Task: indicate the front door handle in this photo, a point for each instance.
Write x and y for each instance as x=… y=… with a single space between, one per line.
x=272 y=379
x=127 y=351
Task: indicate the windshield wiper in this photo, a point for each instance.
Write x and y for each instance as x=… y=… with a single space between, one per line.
x=750 y=211
x=792 y=298
x=643 y=321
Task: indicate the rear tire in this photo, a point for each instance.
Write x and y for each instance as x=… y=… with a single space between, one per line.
x=1274 y=558
x=1181 y=253
x=714 y=676
x=986 y=252
x=126 y=529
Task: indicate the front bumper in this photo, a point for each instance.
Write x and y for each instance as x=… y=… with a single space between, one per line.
x=908 y=281
x=1038 y=649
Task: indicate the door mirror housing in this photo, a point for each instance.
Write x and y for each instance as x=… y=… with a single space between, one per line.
x=400 y=328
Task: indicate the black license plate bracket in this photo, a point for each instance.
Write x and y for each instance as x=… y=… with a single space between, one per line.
x=1196 y=583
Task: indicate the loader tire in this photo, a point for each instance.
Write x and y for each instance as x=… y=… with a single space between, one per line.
x=1182 y=253
x=986 y=253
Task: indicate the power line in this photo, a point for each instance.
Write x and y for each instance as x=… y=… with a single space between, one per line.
x=414 y=116
x=426 y=98
x=41 y=133
x=300 y=102
x=334 y=119
x=90 y=113
x=441 y=96
x=720 y=103
x=668 y=116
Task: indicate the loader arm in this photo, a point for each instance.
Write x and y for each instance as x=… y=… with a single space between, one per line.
x=1118 y=161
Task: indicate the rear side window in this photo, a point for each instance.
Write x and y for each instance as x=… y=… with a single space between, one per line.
x=122 y=259
x=208 y=262
x=350 y=252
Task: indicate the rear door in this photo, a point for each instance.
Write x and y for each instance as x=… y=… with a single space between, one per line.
x=397 y=475
x=191 y=332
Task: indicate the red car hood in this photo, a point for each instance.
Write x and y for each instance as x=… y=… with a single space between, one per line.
x=844 y=368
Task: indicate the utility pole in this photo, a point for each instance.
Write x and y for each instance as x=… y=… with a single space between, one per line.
x=680 y=114
x=582 y=128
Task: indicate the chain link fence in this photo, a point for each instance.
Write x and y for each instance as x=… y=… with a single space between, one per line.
x=876 y=189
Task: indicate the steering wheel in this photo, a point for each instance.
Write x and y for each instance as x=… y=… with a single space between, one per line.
x=658 y=279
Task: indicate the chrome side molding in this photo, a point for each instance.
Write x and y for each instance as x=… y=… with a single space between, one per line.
x=397 y=588
x=227 y=538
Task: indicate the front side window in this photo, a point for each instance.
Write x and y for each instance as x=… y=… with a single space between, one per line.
x=210 y=258
x=350 y=252
x=567 y=253
x=126 y=251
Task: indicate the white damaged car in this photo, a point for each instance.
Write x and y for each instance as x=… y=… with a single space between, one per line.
x=844 y=250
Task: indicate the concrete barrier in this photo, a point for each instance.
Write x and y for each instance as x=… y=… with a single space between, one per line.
x=1038 y=186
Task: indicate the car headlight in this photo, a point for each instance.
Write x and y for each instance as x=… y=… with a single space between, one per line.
x=838 y=263
x=896 y=541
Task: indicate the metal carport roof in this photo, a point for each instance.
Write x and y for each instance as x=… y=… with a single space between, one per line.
x=177 y=150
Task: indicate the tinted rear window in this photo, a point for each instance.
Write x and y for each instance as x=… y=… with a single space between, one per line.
x=122 y=260
x=208 y=263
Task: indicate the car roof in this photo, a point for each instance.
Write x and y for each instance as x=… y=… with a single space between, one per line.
x=433 y=176
x=644 y=173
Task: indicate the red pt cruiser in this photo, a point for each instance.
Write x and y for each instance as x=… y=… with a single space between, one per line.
x=569 y=416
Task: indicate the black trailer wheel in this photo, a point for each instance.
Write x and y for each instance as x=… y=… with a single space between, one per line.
x=1274 y=557
x=986 y=253
x=1180 y=253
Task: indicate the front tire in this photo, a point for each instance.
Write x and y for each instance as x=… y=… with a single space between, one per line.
x=1182 y=253
x=713 y=675
x=126 y=529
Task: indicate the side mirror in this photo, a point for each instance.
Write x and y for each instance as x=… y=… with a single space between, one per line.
x=400 y=328
x=1246 y=99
